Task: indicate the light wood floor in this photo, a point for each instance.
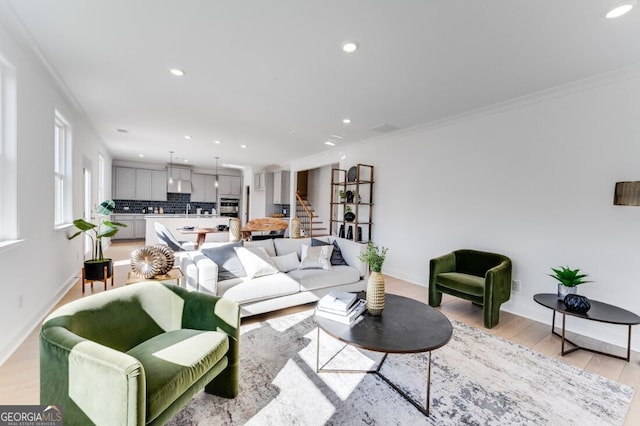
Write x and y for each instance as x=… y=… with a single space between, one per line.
x=19 y=376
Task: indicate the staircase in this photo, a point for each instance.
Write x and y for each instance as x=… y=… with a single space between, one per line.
x=309 y=222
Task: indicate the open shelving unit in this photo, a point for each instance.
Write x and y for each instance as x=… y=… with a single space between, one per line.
x=360 y=179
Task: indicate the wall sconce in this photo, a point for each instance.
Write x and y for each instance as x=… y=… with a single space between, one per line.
x=627 y=194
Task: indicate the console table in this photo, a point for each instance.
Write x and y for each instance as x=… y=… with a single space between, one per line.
x=601 y=312
x=405 y=326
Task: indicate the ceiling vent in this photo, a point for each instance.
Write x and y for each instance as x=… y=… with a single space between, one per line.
x=385 y=128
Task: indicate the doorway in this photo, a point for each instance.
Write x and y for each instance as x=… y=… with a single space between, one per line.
x=86 y=210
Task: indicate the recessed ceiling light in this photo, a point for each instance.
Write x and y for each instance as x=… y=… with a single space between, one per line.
x=243 y=146
x=187 y=137
x=186 y=161
x=217 y=142
x=177 y=72
x=330 y=143
x=346 y=120
x=349 y=46
x=337 y=136
x=620 y=9
x=140 y=155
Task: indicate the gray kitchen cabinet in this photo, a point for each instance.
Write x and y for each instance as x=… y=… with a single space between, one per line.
x=203 y=188
x=281 y=187
x=135 y=229
x=139 y=227
x=125 y=183
x=230 y=185
x=143 y=184
x=260 y=181
x=158 y=185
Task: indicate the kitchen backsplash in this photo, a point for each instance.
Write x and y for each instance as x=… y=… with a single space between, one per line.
x=176 y=203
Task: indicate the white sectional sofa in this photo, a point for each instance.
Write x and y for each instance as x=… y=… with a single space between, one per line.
x=290 y=284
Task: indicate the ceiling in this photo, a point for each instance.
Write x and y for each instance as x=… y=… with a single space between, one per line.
x=271 y=75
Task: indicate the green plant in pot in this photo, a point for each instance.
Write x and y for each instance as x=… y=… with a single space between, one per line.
x=568 y=281
x=374 y=256
x=94 y=267
x=342 y=195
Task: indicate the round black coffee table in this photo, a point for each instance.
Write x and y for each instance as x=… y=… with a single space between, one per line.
x=601 y=312
x=405 y=326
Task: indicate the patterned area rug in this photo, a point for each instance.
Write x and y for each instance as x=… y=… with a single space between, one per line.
x=476 y=379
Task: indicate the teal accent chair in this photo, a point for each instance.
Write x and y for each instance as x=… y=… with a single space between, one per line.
x=483 y=278
x=136 y=355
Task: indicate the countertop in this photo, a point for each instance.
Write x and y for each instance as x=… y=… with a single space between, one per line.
x=166 y=215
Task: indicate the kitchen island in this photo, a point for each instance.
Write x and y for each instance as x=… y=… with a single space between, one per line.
x=175 y=222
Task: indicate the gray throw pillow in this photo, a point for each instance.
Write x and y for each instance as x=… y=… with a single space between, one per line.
x=229 y=265
x=336 y=256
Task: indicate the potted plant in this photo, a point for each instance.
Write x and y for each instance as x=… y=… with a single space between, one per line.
x=374 y=256
x=342 y=195
x=568 y=280
x=94 y=267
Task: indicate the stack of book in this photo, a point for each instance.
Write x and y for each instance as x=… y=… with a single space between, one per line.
x=341 y=306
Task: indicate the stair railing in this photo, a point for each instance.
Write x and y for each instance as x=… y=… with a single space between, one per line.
x=306 y=220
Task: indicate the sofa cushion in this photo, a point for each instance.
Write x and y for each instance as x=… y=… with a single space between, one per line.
x=336 y=256
x=311 y=279
x=470 y=284
x=229 y=265
x=174 y=360
x=267 y=244
x=255 y=261
x=290 y=245
x=286 y=262
x=316 y=257
x=260 y=288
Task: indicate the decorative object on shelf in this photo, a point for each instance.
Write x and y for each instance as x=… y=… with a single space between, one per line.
x=341 y=232
x=349 y=196
x=577 y=303
x=94 y=268
x=568 y=280
x=374 y=257
x=342 y=195
x=234 y=229
x=349 y=216
x=352 y=174
x=295 y=228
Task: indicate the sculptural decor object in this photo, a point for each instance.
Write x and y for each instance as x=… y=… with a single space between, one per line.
x=577 y=303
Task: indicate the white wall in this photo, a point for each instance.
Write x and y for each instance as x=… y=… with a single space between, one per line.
x=532 y=179
x=39 y=269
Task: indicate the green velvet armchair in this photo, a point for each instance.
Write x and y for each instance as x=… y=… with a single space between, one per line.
x=136 y=355
x=483 y=278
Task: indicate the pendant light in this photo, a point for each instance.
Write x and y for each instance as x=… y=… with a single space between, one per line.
x=217 y=171
x=171 y=168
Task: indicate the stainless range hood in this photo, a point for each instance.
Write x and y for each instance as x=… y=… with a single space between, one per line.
x=179 y=186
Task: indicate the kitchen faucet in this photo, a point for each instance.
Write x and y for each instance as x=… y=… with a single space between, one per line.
x=187 y=209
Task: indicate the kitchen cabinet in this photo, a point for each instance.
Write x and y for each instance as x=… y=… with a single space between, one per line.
x=140 y=184
x=125 y=183
x=135 y=229
x=281 y=187
x=179 y=173
x=230 y=185
x=203 y=188
x=260 y=181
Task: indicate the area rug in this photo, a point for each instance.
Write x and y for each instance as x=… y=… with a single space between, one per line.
x=476 y=379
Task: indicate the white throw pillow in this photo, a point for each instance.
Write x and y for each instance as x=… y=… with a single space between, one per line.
x=286 y=262
x=316 y=257
x=255 y=261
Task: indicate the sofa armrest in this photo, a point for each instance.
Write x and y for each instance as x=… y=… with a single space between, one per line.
x=206 y=272
x=498 y=282
x=76 y=374
x=438 y=265
x=351 y=253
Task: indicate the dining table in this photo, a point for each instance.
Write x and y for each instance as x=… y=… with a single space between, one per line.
x=201 y=234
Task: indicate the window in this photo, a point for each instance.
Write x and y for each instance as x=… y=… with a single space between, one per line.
x=101 y=178
x=62 y=171
x=8 y=155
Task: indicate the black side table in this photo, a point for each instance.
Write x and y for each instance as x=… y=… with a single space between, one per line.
x=601 y=312
x=405 y=326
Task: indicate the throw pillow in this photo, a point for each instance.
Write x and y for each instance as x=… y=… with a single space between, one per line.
x=287 y=262
x=229 y=265
x=336 y=256
x=316 y=257
x=255 y=261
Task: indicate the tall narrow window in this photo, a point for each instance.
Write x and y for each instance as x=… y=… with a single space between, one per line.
x=101 y=179
x=62 y=171
x=8 y=154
